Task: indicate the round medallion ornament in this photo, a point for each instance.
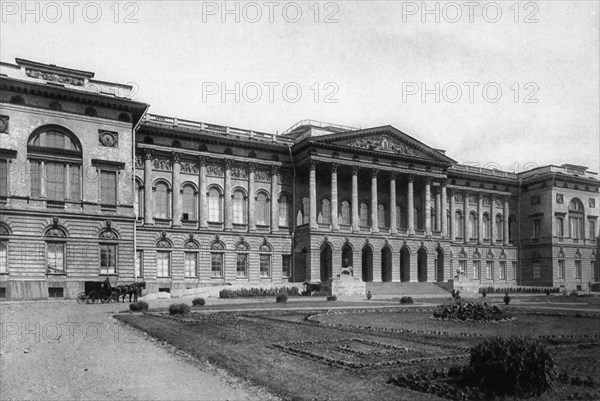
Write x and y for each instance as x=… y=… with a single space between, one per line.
x=108 y=138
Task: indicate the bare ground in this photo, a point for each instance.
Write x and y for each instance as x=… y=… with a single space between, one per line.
x=63 y=350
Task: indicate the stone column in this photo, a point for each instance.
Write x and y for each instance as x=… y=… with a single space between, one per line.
x=274 y=199
x=148 y=214
x=393 y=216
x=355 y=216
x=452 y=228
x=334 y=198
x=374 y=203
x=312 y=189
x=480 y=219
x=43 y=178
x=411 y=206
x=227 y=197
x=466 y=233
x=176 y=217
x=68 y=181
x=251 y=197
x=203 y=201
x=492 y=220
x=505 y=220
x=438 y=210
x=428 y=207
x=444 y=216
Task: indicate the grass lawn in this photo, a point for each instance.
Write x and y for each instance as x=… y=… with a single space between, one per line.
x=345 y=354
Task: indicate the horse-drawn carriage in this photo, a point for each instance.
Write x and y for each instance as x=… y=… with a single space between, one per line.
x=104 y=292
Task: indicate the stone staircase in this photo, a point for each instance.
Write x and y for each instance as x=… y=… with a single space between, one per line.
x=410 y=289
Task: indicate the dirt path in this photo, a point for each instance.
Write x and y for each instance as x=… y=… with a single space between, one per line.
x=66 y=351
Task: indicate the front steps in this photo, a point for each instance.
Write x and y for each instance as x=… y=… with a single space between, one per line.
x=390 y=289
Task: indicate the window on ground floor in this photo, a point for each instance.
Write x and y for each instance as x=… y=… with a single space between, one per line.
x=139 y=263
x=3 y=257
x=55 y=257
x=578 y=269
x=265 y=265
x=476 y=269
x=537 y=271
x=163 y=264
x=462 y=264
x=514 y=270
x=561 y=269
x=286 y=263
x=191 y=264
x=489 y=267
x=108 y=259
x=242 y=265
x=502 y=270
x=216 y=263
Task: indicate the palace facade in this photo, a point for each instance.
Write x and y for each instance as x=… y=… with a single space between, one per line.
x=93 y=186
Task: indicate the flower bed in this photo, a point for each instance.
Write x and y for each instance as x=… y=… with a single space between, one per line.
x=471 y=312
x=259 y=292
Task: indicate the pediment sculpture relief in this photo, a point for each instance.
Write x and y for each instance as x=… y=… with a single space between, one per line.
x=383 y=144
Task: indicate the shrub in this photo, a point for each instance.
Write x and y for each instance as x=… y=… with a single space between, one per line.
x=470 y=311
x=140 y=306
x=281 y=297
x=506 y=299
x=258 y=292
x=179 y=309
x=406 y=300
x=510 y=366
x=332 y=298
x=483 y=292
x=198 y=302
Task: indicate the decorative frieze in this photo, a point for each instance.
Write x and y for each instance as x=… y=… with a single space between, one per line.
x=592 y=202
x=263 y=175
x=63 y=79
x=383 y=144
x=189 y=167
x=472 y=199
x=162 y=163
x=487 y=201
x=139 y=163
x=215 y=170
x=3 y=124
x=560 y=198
x=239 y=172
x=458 y=197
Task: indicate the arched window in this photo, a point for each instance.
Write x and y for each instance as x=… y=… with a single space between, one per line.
x=241 y=250
x=216 y=259
x=262 y=209
x=499 y=227
x=381 y=217
x=326 y=211
x=487 y=228
x=346 y=210
x=139 y=199
x=188 y=203
x=305 y=210
x=459 y=225
x=265 y=260
x=364 y=214
x=576 y=219
x=284 y=210
x=476 y=266
x=473 y=225
x=47 y=149
x=215 y=205
x=161 y=201
x=239 y=206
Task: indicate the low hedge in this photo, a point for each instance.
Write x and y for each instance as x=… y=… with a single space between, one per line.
x=198 y=302
x=259 y=292
x=179 y=309
x=519 y=290
x=140 y=306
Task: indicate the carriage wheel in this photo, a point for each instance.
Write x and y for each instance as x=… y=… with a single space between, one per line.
x=81 y=297
x=93 y=297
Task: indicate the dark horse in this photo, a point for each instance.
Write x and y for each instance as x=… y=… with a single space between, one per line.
x=134 y=289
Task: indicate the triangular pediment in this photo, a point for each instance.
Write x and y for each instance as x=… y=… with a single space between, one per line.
x=387 y=141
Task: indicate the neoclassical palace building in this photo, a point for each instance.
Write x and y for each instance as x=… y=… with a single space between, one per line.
x=93 y=186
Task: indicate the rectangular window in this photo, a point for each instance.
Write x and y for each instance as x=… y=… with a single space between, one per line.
x=578 y=269
x=514 y=270
x=489 y=267
x=242 y=264
x=36 y=179
x=286 y=265
x=75 y=183
x=284 y=212
x=3 y=178
x=476 y=269
x=191 y=264
x=561 y=269
x=502 y=270
x=560 y=228
x=108 y=259
x=108 y=187
x=3 y=257
x=139 y=263
x=216 y=262
x=537 y=270
x=536 y=228
x=592 y=271
x=265 y=265
x=163 y=264
x=55 y=181
x=55 y=257
x=592 y=225
x=462 y=264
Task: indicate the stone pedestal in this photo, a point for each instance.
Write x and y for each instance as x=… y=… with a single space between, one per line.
x=348 y=285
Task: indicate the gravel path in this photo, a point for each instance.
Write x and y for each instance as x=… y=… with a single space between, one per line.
x=65 y=351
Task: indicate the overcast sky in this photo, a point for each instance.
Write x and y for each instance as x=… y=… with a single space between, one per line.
x=359 y=64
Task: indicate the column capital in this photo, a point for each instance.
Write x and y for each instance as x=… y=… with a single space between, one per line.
x=393 y=175
x=228 y=163
x=444 y=182
x=428 y=180
x=355 y=170
x=147 y=154
x=313 y=164
x=176 y=157
x=202 y=160
x=505 y=198
x=334 y=167
x=275 y=170
x=251 y=167
x=374 y=172
x=411 y=178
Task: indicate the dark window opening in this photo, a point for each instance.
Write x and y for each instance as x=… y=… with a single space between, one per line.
x=55 y=292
